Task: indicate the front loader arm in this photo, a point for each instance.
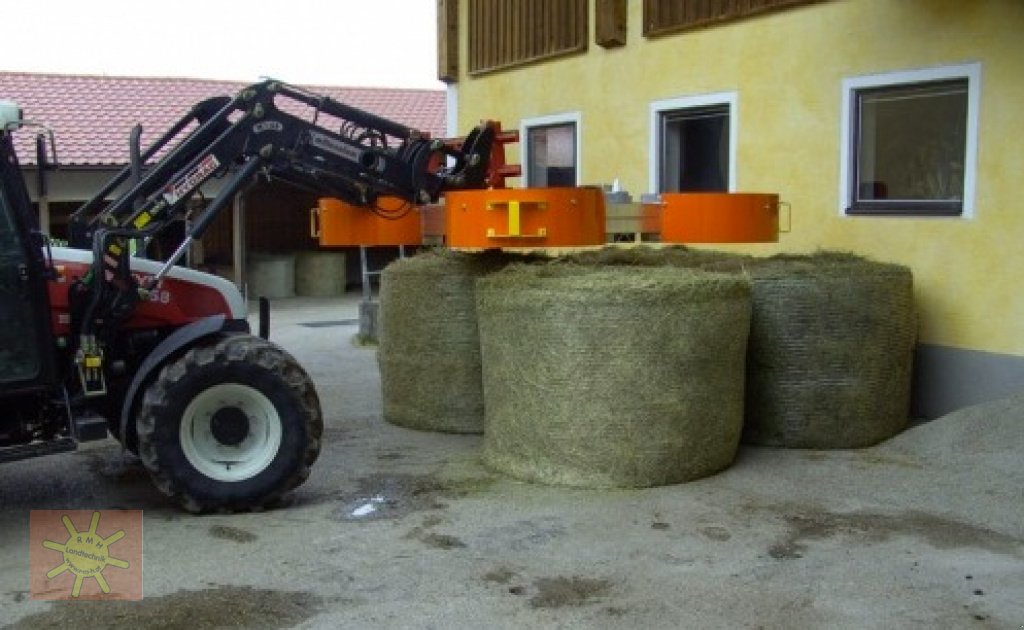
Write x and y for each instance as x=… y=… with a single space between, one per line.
x=270 y=128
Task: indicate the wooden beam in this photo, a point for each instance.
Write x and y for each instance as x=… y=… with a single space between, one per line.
x=448 y=40
x=610 y=26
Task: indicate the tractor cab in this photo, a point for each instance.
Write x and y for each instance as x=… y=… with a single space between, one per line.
x=26 y=362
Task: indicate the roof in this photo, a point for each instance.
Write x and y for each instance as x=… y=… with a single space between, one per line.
x=92 y=116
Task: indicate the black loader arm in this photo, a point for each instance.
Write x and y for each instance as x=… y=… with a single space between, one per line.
x=272 y=129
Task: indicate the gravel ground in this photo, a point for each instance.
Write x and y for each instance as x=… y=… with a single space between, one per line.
x=404 y=529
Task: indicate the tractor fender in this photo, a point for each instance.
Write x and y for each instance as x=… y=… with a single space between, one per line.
x=180 y=338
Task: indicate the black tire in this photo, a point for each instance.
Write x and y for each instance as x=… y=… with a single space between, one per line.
x=239 y=397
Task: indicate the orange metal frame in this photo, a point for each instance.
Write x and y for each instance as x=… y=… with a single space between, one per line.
x=525 y=217
x=338 y=224
x=719 y=218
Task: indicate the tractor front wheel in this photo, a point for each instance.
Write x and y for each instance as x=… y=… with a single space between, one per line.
x=230 y=425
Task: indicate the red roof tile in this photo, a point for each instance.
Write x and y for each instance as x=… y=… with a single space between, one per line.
x=91 y=116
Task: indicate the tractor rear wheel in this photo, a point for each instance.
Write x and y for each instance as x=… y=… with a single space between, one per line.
x=230 y=425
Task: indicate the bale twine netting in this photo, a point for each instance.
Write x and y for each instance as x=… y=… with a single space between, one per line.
x=830 y=354
x=271 y=275
x=429 y=349
x=666 y=256
x=320 y=274
x=612 y=377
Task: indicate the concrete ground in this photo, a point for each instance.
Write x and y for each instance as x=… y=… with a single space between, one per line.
x=402 y=529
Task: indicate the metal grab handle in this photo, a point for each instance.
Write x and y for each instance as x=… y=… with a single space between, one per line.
x=789 y=217
x=314 y=222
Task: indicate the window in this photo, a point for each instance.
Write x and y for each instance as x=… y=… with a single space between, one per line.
x=693 y=144
x=552 y=151
x=909 y=143
x=19 y=354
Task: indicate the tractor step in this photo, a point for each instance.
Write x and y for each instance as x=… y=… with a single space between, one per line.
x=25 y=451
x=90 y=427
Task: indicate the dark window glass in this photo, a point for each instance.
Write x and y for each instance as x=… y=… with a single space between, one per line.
x=909 y=149
x=551 y=155
x=695 y=150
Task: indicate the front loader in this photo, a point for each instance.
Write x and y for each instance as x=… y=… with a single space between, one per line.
x=96 y=339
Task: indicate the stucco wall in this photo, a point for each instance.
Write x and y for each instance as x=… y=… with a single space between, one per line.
x=787 y=69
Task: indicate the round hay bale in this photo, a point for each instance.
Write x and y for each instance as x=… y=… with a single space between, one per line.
x=271 y=275
x=320 y=274
x=612 y=377
x=646 y=256
x=830 y=354
x=429 y=350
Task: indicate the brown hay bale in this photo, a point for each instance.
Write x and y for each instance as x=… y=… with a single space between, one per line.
x=429 y=351
x=830 y=353
x=612 y=377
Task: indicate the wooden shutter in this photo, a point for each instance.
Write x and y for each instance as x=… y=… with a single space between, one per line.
x=506 y=33
x=448 y=40
x=669 y=16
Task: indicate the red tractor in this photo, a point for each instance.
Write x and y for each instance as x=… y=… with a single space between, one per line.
x=98 y=339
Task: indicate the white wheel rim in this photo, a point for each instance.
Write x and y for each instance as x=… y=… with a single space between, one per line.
x=230 y=462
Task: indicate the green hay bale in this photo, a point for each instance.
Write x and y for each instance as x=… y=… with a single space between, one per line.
x=612 y=377
x=646 y=256
x=831 y=350
x=429 y=352
x=831 y=342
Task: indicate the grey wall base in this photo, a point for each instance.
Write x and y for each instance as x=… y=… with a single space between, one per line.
x=368 y=321
x=947 y=379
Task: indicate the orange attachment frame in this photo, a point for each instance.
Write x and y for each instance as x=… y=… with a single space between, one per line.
x=720 y=218
x=338 y=224
x=525 y=218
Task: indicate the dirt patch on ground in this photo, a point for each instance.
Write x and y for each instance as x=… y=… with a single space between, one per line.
x=874 y=527
x=217 y=607
x=234 y=534
x=501 y=575
x=441 y=541
x=559 y=592
x=716 y=533
x=393 y=496
x=119 y=466
x=434 y=539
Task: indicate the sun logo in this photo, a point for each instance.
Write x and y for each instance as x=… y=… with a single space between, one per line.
x=86 y=554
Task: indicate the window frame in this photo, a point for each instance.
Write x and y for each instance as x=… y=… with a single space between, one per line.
x=849 y=130
x=552 y=120
x=659 y=108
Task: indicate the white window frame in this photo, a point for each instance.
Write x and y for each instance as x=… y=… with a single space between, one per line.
x=969 y=71
x=451 y=107
x=657 y=108
x=546 y=121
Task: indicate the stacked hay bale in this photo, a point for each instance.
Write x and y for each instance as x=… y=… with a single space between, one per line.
x=320 y=274
x=830 y=353
x=429 y=350
x=670 y=256
x=612 y=377
x=831 y=343
x=271 y=275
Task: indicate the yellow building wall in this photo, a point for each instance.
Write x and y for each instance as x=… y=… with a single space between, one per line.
x=787 y=68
